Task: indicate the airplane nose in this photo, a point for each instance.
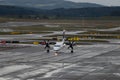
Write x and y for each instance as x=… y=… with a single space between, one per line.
x=56 y=48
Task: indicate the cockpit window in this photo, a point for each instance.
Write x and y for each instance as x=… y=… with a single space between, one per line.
x=57 y=45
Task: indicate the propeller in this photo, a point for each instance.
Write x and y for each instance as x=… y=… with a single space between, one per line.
x=71 y=46
x=47 y=46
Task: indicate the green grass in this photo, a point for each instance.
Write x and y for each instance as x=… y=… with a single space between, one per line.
x=93 y=41
x=4 y=33
x=35 y=28
x=90 y=36
x=43 y=28
x=101 y=32
x=69 y=25
x=18 y=33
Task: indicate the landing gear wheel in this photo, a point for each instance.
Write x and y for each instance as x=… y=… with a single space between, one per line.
x=72 y=51
x=48 y=51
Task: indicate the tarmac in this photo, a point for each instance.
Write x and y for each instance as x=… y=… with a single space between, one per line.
x=98 y=61
x=88 y=62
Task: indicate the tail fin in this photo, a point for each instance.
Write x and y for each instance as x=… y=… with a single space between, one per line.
x=64 y=35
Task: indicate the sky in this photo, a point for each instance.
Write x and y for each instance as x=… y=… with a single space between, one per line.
x=103 y=2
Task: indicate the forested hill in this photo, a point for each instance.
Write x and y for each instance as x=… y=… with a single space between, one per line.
x=86 y=12
x=61 y=12
x=48 y=4
x=14 y=10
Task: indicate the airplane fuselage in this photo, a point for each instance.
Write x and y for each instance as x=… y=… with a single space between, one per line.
x=58 y=46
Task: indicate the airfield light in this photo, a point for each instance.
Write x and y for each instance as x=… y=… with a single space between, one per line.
x=56 y=54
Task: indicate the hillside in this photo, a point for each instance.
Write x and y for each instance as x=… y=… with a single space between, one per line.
x=47 y=4
x=86 y=12
x=61 y=12
x=14 y=10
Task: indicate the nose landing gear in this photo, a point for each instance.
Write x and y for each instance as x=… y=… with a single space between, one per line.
x=71 y=46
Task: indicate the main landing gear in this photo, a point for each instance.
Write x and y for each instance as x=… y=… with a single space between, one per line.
x=71 y=44
x=47 y=46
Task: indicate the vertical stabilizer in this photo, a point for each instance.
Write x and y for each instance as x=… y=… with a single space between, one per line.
x=64 y=35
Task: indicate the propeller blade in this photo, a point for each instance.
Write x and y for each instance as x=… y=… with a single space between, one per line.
x=71 y=45
x=47 y=44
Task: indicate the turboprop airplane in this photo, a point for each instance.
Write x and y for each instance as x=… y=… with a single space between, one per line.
x=60 y=45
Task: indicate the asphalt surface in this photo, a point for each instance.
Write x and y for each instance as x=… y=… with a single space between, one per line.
x=16 y=24
x=88 y=62
x=30 y=36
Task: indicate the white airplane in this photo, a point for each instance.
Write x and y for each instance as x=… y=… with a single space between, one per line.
x=59 y=45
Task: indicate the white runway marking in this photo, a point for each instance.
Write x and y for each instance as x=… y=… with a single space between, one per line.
x=3 y=79
x=13 y=68
x=32 y=73
x=49 y=74
x=117 y=74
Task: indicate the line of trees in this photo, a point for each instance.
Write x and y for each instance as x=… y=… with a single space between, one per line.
x=77 y=13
